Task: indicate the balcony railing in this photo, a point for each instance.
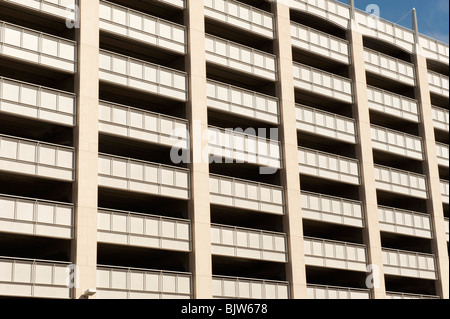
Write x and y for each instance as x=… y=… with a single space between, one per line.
x=326 y=124
x=320 y=43
x=332 y=292
x=409 y=264
x=144 y=76
x=248 y=243
x=400 y=295
x=59 y=8
x=322 y=83
x=434 y=49
x=21 y=156
x=393 y=104
x=240 y=58
x=396 y=142
x=248 y=288
x=142 y=125
x=29 y=216
x=143 y=177
x=37 y=102
x=32 y=278
x=237 y=193
x=389 y=67
x=329 y=166
x=142 y=27
x=329 y=10
x=35 y=47
x=446 y=222
x=131 y=283
x=441 y=118
x=445 y=191
x=175 y=3
x=334 y=254
x=401 y=182
x=332 y=209
x=142 y=230
x=243 y=148
x=442 y=152
x=241 y=16
x=405 y=222
x=241 y=102
x=439 y=83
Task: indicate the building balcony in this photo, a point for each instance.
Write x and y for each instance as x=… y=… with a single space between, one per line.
x=399 y=221
x=130 y=283
x=441 y=118
x=144 y=76
x=442 y=152
x=393 y=104
x=38 y=48
x=438 y=83
x=321 y=43
x=335 y=254
x=399 y=295
x=328 y=166
x=434 y=49
x=336 y=12
x=332 y=292
x=236 y=193
x=326 y=124
x=332 y=209
x=142 y=125
x=63 y=9
x=322 y=83
x=35 y=217
x=180 y=4
x=241 y=16
x=398 y=143
x=32 y=278
x=445 y=191
x=142 y=27
x=240 y=58
x=389 y=67
x=401 y=182
x=37 y=102
x=142 y=230
x=446 y=222
x=143 y=177
x=244 y=148
x=237 y=101
x=248 y=243
x=21 y=156
x=409 y=264
x=247 y=288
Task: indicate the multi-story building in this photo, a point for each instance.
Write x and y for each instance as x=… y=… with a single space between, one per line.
x=97 y=98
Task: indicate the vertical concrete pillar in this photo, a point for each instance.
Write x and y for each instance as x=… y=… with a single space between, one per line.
x=290 y=176
x=364 y=152
x=197 y=114
x=84 y=244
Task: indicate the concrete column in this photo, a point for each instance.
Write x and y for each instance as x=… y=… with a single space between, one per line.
x=364 y=152
x=430 y=169
x=290 y=176
x=197 y=114
x=84 y=244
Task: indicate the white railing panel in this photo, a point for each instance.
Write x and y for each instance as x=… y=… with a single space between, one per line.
x=329 y=166
x=438 y=83
x=142 y=125
x=329 y=10
x=441 y=118
x=442 y=152
x=60 y=8
x=231 y=192
x=140 y=75
x=142 y=27
x=409 y=264
x=399 y=295
x=434 y=49
x=322 y=83
x=445 y=191
x=332 y=209
x=331 y=292
x=405 y=222
x=143 y=177
x=37 y=102
x=248 y=288
x=36 y=158
x=180 y=4
x=36 y=47
x=401 y=182
x=446 y=222
x=240 y=58
x=241 y=15
x=228 y=98
x=396 y=142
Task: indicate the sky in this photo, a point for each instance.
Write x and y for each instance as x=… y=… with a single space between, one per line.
x=432 y=15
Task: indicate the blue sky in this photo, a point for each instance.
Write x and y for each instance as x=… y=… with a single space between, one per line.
x=433 y=15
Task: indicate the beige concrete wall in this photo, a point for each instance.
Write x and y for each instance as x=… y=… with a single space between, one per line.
x=197 y=114
x=290 y=177
x=84 y=246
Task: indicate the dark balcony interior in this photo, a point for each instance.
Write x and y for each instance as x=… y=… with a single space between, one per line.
x=330 y=231
x=318 y=23
x=401 y=201
x=328 y=187
x=410 y=285
x=335 y=277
